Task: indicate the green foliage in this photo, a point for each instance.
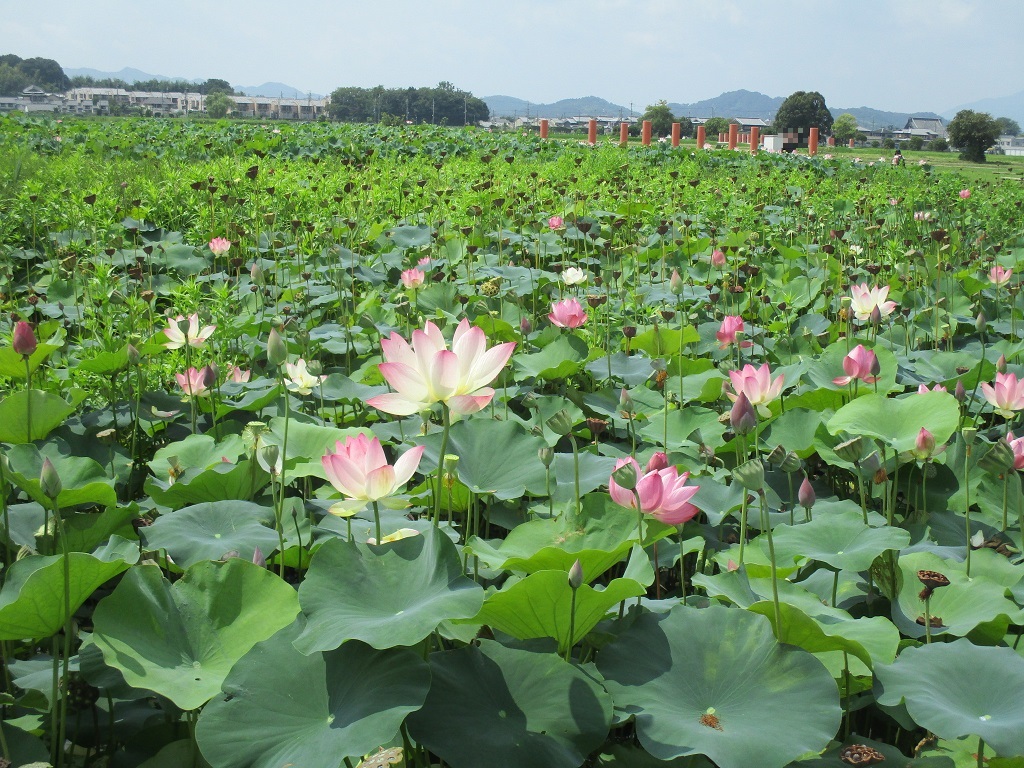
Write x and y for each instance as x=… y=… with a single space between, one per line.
x=442 y=105
x=1007 y=126
x=716 y=125
x=972 y=133
x=661 y=118
x=218 y=104
x=803 y=110
x=17 y=73
x=844 y=127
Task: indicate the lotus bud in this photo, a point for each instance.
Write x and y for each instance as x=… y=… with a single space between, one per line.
x=806 y=495
x=876 y=367
x=256 y=274
x=24 y=339
x=560 y=423
x=546 y=455
x=576 y=576
x=133 y=354
x=851 y=450
x=675 y=283
x=277 y=349
x=525 y=326
x=210 y=373
x=959 y=392
x=626 y=405
x=49 y=480
x=1001 y=364
x=626 y=476
x=657 y=462
x=258 y=558
x=876 y=316
x=743 y=417
x=924 y=445
x=980 y=322
x=717 y=258
x=750 y=475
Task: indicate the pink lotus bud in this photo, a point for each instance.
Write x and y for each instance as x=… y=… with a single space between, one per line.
x=626 y=404
x=49 y=480
x=1001 y=364
x=24 y=339
x=277 y=350
x=959 y=392
x=525 y=326
x=258 y=558
x=675 y=283
x=133 y=354
x=806 y=495
x=576 y=575
x=717 y=259
x=743 y=417
x=731 y=566
x=657 y=462
x=876 y=316
x=924 y=445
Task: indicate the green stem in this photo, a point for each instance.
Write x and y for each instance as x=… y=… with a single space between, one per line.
x=66 y=656
x=743 y=525
x=767 y=526
x=376 y=520
x=928 y=619
x=572 y=626
x=447 y=424
x=981 y=752
x=576 y=478
x=28 y=399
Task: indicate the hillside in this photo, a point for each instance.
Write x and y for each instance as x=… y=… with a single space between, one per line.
x=510 y=106
x=1004 y=106
x=731 y=104
x=130 y=75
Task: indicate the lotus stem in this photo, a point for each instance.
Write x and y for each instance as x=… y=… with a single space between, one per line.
x=446 y=421
x=767 y=525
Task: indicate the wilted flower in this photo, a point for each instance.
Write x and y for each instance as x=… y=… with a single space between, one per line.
x=178 y=336
x=859 y=364
x=757 y=385
x=359 y=470
x=864 y=300
x=427 y=372
x=413 y=278
x=567 y=314
x=1006 y=396
x=726 y=334
x=299 y=379
x=219 y=246
x=574 y=276
x=663 y=493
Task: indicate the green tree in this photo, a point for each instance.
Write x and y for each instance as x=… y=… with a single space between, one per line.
x=661 y=118
x=218 y=104
x=46 y=73
x=216 y=85
x=12 y=80
x=844 y=128
x=716 y=125
x=972 y=133
x=1008 y=126
x=803 y=110
x=915 y=143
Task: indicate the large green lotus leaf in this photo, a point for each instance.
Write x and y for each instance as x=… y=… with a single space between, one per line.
x=659 y=342
x=48 y=413
x=714 y=681
x=496 y=458
x=594 y=473
x=176 y=754
x=963 y=606
x=197 y=451
x=106 y=363
x=840 y=540
x=180 y=640
x=387 y=595
x=631 y=370
x=600 y=538
x=221 y=482
x=26 y=750
x=209 y=531
x=897 y=421
x=283 y=708
x=633 y=756
x=32 y=598
x=833 y=757
x=12 y=364
x=83 y=480
x=562 y=357
x=794 y=430
x=540 y=606
x=307 y=444
x=960 y=689
x=830 y=365
x=682 y=424
x=870 y=639
x=514 y=709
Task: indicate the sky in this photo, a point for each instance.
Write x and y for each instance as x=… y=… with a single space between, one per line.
x=900 y=55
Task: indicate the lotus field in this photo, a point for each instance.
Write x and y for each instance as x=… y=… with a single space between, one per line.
x=329 y=445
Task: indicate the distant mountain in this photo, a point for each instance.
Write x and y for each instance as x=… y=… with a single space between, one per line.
x=130 y=76
x=127 y=74
x=731 y=104
x=275 y=90
x=1004 y=106
x=589 y=106
x=877 y=118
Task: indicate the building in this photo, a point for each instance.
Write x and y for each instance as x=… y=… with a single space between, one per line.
x=928 y=128
x=33 y=99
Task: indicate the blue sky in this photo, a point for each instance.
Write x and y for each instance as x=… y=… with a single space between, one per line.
x=907 y=55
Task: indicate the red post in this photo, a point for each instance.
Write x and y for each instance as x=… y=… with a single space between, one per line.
x=755 y=138
x=645 y=133
x=851 y=144
x=812 y=142
x=734 y=132
x=702 y=137
x=624 y=134
x=677 y=132
x=543 y=129
x=831 y=141
x=592 y=131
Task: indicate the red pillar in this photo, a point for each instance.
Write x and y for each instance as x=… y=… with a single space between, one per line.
x=645 y=133
x=755 y=138
x=543 y=129
x=702 y=137
x=831 y=141
x=677 y=131
x=734 y=132
x=592 y=131
x=624 y=134
x=851 y=144
x=812 y=142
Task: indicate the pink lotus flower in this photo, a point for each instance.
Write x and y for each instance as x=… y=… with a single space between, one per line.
x=998 y=275
x=726 y=335
x=24 y=341
x=860 y=365
x=238 y=376
x=964 y=194
x=1006 y=396
x=923 y=389
x=195 y=382
x=924 y=446
x=556 y=222
x=717 y=258
x=358 y=469
x=663 y=493
x=1017 y=445
x=413 y=278
x=757 y=385
x=178 y=338
x=567 y=314
x=427 y=372
x=219 y=246
x=864 y=300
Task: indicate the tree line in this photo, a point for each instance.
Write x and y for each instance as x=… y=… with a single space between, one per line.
x=441 y=105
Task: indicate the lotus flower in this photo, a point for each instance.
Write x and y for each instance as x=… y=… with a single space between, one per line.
x=924 y=446
x=757 y=385
x=24 y=341
x=1006 y=396
x=567 y=314
x=300 y=380
x=923 y=388
x=726 y=334
x=574 y=276
x=239 y=376
x=865 y=300
x=1017 y=445
x=859 y=364
x=427 y=372
x=663 y=493
x=556 y=222
x=998 y=275
x=718 y=258
x=359 y=470
x=413 y=278
x=219 y=246
x=178 y=338
x=195 y=382
x=964 y=194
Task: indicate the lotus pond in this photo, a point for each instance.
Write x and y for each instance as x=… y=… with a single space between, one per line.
x=332 y=445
